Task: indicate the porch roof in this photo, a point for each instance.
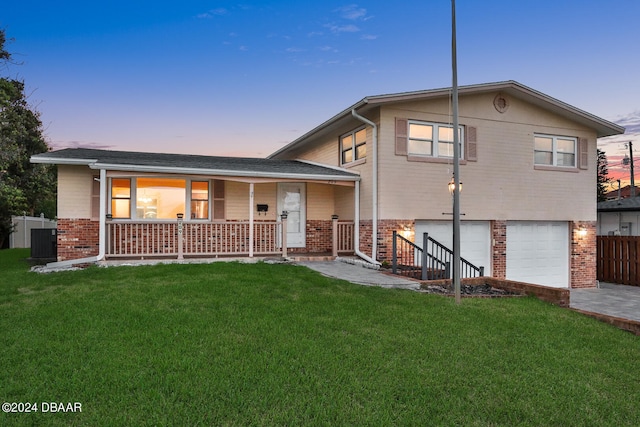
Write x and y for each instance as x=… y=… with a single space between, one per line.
x=194 y=164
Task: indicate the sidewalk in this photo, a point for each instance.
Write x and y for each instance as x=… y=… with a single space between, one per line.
x=356 y=273
x=610 y=299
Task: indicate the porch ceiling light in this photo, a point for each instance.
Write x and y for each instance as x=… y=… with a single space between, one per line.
x=452 y=186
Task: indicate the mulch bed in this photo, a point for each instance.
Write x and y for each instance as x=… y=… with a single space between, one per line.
x=485 y=290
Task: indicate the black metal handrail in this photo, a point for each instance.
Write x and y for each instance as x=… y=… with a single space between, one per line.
x=467 y=269
x=433 y=263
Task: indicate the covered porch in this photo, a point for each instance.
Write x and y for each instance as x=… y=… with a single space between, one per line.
x=118 y=205
x=179 y=239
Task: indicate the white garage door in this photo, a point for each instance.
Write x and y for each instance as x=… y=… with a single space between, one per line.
x=475 y=239
x=538 y=252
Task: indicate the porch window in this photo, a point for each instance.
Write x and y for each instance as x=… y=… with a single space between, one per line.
x=160 y=198
x=353 y=146
x=432 y=139
x=199 y=199
x=553 y=150
x=121 y=198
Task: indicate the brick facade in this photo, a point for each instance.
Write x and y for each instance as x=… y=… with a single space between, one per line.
x=77 y=238
x=319 y=237
x=583 y=247
x=386 y=227
x=583 y=254
x=498 y=250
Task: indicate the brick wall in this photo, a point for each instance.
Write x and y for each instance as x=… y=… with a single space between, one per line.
x=77 y=238
x=583 y=248
x=499 y=249
x=583 y=254
x=386 y=227
x=319 y=235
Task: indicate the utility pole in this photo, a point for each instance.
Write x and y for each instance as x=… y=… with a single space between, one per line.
x=456 y=159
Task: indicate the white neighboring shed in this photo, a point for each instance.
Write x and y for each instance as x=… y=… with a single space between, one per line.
x=21 y=235
x=619 y=217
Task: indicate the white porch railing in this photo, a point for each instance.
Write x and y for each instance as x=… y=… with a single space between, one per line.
x=230 y=238
x=143 y=238
x=345 y=238
x=160 y=238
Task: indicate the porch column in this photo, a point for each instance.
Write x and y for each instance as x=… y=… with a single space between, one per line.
x=284 y=233
x=251 y=220
x=180 y=237
x=334 y=224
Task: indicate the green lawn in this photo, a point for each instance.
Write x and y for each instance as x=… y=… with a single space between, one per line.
x=258 y=344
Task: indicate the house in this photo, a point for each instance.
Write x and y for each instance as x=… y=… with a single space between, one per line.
x=621 y=193
x=619 y=217
x=379 y=166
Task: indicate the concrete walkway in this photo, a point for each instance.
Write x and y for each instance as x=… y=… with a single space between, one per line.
x=357 y=273
x=610 y=299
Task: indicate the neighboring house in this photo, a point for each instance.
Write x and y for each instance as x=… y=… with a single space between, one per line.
x=619 y=217
x=379 y=166
x=621 y=193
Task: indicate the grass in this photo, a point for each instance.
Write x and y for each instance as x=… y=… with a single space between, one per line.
x=237 y=344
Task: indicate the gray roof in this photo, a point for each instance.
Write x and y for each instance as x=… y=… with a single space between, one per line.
x=629 y=204
x=193 y=164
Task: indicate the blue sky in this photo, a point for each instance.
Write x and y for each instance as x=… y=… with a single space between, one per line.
x=245 y=78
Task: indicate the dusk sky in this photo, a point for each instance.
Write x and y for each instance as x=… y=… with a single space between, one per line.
x=245 y=78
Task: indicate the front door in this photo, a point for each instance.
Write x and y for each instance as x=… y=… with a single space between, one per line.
x=291 y=198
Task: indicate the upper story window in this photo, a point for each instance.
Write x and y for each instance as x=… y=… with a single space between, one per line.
x=353 y=146
x=553 y=150
x=432 y=139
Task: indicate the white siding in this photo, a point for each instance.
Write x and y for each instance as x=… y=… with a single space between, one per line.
x=75 y=184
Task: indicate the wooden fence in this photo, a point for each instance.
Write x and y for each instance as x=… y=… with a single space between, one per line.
x=618 y=259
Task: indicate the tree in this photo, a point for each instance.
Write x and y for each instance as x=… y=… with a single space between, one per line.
x=603 y=175
x=24 y=187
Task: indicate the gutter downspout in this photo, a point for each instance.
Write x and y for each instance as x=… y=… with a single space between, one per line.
x=374 y=198
x=102 y=230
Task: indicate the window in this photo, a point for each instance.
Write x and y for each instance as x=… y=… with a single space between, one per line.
x=160 y=198
x=353 y=146
x=121 y=198
x=150 y=198
x=432 y=139
x=199 y=199
x=555 y=150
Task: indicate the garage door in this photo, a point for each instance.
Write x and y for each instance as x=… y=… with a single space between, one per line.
x=475 y=239
x=538 y=252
